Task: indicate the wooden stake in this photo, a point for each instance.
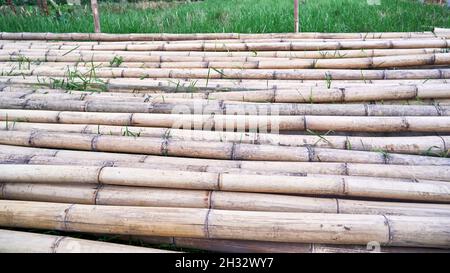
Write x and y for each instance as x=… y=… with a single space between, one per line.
x=96 y=16
x=296 y=19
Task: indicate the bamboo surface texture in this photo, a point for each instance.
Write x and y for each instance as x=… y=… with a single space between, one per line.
x=226 y=142
x=415 y=173
x=26 y=242
x=224 y=224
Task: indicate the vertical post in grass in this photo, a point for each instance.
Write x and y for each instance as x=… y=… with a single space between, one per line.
x=96 y=15
x=45 y=7
x=296 y=24
x=11 y=5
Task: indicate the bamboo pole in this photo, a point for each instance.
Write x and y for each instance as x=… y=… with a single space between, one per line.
x=223 y=224
x=355 y=187
x=411 y=173
x=437 y=59
x=25 y=242
x=237 y=122
x=327 y=75
x=158 y=197
x=166 y=146
x=260 y=46
x=420 y=145
x=311 y=94
x=10 y=52
x=79 y=104
x=98 y=159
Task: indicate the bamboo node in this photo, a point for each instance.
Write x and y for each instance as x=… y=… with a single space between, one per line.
x=130 y=119
x=385 y=75
x=33 y=134
x=2 y=190
x=344 y=186
x=206 y=224
x=97 y=190
x=222 y=106
x=164 y=146
x=311 y=153
x=388 y=225
x=99 y=174
x=273 y=99
x=94 y=143
x=367 y=109
x=66 y=216
x=233 y=151
x=337 y=206
x=346 y=172
x=439 y=110
x=405 y=124
x=343 y=90
x=432 y=59
x=55 y=244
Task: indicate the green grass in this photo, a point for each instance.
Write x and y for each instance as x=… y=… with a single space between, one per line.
x=255 y=16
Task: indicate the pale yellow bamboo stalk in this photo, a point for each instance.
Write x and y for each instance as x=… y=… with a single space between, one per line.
x=417 y=93
x=78 y=103
x=237 y=122
x=237 y=246
x=411 y=173
x=74 y=158
x=56 y=55
x=421 y=145
x=355 y=187
x=214 y=150
x=223 y=224
x=439 y=59
x=158 y=197
x=261 y=74
x=178 y=85
x=25 y=242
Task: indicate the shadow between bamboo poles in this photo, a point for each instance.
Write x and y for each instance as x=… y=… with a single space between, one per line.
x=26 y=242
x=158 y=197
x=412 y=173
x=223 y=224
x=317 y=186
x=419 y=145
x=223 y=107
x=166 y=146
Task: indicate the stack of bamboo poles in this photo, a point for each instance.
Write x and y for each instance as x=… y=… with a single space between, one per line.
x=305 y=142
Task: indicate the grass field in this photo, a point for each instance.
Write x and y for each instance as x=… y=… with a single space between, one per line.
x=256 y=16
